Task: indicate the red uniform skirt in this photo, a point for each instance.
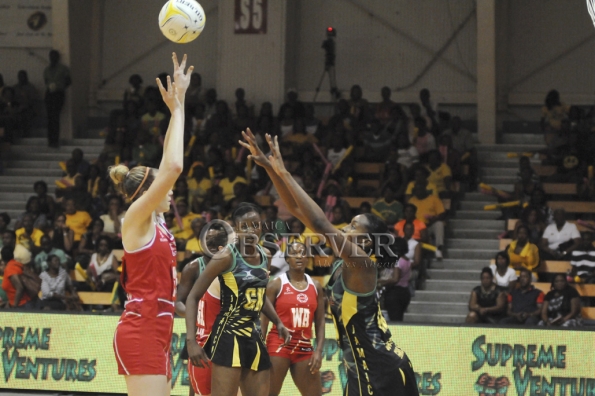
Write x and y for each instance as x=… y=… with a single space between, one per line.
x=142 y=340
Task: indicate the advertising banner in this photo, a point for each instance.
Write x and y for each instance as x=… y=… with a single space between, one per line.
x=58 y=352
x=26 y=23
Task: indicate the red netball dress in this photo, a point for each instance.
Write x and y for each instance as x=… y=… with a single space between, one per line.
x=143 y=336
x=296 y=309
x=208 y=309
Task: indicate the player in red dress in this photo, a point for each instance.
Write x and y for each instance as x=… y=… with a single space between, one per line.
x=142 y=339
x=299 y=301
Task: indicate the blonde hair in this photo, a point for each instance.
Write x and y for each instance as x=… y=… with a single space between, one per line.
x=131 y=182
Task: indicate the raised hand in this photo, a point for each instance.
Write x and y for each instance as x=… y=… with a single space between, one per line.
x=181 y=78
x=256 y=153
x=275 y=159
x=169 y=95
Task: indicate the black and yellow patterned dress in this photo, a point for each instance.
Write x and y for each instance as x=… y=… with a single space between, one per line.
x=235 y=340
x=375 y=365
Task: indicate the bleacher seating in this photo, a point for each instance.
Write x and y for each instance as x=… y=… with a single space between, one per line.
x=572 y=206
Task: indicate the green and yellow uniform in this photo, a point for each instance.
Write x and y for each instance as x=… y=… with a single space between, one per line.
x=235 y=340
x=375 y=365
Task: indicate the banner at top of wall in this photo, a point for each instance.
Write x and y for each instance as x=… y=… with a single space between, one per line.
x=74 y=353
x=26 y=23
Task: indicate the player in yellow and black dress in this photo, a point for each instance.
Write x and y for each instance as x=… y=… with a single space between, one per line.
x=235 y=347
x=374 y=364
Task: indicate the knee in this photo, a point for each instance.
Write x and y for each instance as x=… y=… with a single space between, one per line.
x=472 y=317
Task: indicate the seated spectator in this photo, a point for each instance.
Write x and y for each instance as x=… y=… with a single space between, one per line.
x=243 y=119
x=299 y=139
x=27 y=95
x=83 y=200
x=524 y=303
x=77 y=220
x=364 y=208
x=414 y=247
x=198 y=186
x=525 y=163
x=61 y=235
x=420 y=232
x=523 y=189
x=47 y=250
x=377 y=142
x=559 y=239
x=395 y=282
x=287 y=122
x=12 y=283
x=450 y=157
x=46 y=202
x=112 y=220
x=429 y=109
x=462 y=140
x=487 y=302
x=103 y=266
x=583 y=260
x=313 y=124
x=67 y=182
x=408 y=155
x=387 y=207
x=554 y=112
x=88 y=243
x=332 y=198
x=185 y=232
x=194 y=91
x=28 y=236
x=12 y=115
x=151 y=120
x=338 y=218
x=32 y=209
x=394 y=174
x=193 y=246
x=145 y=152
x=431 y=211
x=181 y=188
x=424 y=141
x=227 y=183
x=272 y=223
x=293 y=102
x=342 y=122
x=522 y=253
x=539 y=203
x=562 y=305
x=82 y=166
x=440 y=174
x=504 y=275
x=55 y=284
x=242 y=102
x=531 y=218
x=135 y=92
x=383 y=109
x=420 y=176
x=4 y=223
x=336 y=153
x=358 y=107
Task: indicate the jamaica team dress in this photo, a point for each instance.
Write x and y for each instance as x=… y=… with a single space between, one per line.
x=296 y=309
x=142 y=340
x=208 y=309
x=375 y=365
x=235 y=340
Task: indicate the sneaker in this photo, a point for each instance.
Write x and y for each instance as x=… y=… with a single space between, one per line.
x=439 y=255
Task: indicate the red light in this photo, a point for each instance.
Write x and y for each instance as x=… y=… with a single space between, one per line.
x=329 y=29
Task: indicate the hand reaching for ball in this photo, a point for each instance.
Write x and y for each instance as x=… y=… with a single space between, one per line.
x=181 y=78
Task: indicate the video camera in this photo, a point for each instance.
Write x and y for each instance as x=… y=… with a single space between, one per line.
x=329 y=47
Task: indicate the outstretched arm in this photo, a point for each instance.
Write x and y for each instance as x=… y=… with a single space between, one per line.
x=172 y=164
x=259 y=158
x=359 y=272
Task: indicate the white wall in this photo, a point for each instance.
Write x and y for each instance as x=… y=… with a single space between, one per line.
x=539 y=31
x=371 y=54
x=131 y=31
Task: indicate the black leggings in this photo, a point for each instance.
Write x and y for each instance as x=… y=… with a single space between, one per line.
x=396 y=301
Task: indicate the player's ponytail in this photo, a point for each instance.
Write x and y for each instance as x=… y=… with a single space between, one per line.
x=131 y=183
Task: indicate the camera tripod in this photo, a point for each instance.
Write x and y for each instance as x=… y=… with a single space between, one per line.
x=330 y=70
